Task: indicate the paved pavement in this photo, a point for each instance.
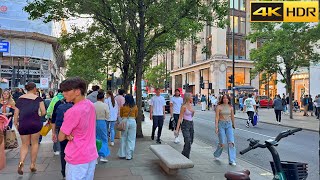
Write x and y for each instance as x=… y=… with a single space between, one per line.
x=302 y=147
x=144 y=165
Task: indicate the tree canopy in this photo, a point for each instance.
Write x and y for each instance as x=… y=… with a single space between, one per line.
x=142 y=28
x=156 y=76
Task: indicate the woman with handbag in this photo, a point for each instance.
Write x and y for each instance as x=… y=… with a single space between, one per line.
x=29 y=109
x=102 y=114
x=128 y=113
x=7 y=105
x=114 y=109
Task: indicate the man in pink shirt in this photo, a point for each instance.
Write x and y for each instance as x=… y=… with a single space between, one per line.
x=120 y=99
x=79 y=127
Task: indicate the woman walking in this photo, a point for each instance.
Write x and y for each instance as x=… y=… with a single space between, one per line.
x=278 y=107
x=128 y=113
x=27 y=120
x=186 y=114
x=224 y=128
x=114 y=109
x=7 y=106
x=102 y=114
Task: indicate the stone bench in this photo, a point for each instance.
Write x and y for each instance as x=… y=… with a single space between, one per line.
x=170 y=159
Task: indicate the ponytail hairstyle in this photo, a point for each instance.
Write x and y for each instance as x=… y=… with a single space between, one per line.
x=112 y=98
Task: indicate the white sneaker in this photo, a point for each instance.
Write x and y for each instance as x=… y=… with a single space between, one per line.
x=103 y=160
x=177 y=140
x=279 y=123
x=57 y=153
x=112 y=144
x=233 y=164
x=216 y=158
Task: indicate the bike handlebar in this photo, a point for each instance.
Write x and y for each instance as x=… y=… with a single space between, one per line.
x=255 y=143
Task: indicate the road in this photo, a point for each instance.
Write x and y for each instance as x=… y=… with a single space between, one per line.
x=302 y=147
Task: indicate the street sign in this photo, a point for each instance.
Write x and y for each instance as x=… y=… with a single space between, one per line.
x=44 y=83
x=4 y=47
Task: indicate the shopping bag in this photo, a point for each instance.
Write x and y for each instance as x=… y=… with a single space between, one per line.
x=172 y=124
x=45 y=129
x=11 y=140
x=98 y=144
x=255 y=119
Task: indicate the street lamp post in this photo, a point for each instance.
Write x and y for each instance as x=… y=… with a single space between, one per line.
x=233 y=60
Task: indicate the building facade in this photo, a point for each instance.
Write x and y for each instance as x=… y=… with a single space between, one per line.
x=33 y=51
x=210 y=58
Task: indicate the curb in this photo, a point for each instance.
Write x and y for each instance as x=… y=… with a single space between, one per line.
x=281 y=124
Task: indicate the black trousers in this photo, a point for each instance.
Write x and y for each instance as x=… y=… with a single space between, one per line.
x=188 y=134
x=157 y=123
x=176 y=119
x=278 y=115
x=250 y=115
x=63 y=145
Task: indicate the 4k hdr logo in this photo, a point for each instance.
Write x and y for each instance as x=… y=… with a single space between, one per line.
x=285 y=11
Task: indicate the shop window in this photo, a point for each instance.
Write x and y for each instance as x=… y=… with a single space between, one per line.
x=239 y=76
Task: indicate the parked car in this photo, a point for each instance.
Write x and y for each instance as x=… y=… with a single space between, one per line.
x=264 y=101
x=148 y=99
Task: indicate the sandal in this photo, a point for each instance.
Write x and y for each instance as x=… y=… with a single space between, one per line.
x=33 y=169
x=20 y=168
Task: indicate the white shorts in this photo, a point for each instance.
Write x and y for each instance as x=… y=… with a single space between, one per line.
x=80 y=171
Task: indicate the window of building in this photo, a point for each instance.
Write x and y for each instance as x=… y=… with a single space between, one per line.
x=243 y=25
x=236 y=4
x=242 y=5
x=242 y=53
x=236 y=48
x=194 y=53
x=181 y=53
x=239 y=77
x=172 y=60
x=236 y=24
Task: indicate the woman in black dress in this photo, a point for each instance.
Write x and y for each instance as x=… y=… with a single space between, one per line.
x=29 y=108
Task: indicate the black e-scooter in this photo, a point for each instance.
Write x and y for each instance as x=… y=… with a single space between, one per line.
x=282 y=170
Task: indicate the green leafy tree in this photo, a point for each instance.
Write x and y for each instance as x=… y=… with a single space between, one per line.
x=86 y=62
x=156 y=76
x=286 y=48
x=142 y=28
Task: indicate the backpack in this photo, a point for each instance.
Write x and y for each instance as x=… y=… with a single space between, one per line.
x=61 y=109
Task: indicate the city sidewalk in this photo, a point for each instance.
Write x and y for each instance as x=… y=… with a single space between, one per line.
x=298 y=121
x=143 y=166
x=268 y=116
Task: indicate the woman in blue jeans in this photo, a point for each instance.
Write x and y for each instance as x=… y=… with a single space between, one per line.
x=114 y=109
x=224 y=128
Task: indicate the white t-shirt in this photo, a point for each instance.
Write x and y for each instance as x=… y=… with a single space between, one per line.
x=249 y=103
x=176 y=104
x=157 y=103
x=113 y=109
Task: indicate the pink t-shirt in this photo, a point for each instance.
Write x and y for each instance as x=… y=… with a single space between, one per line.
x=120 y=101
x=80 y=122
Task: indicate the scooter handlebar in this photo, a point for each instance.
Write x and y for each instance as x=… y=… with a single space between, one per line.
x=246 y=150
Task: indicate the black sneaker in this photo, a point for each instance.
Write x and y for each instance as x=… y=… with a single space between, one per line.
x=152 y=138
x=158 y=142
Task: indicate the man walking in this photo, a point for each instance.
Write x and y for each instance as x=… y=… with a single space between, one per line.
x=93 y=96
x=250 y=108
x=305 y=103
x=157 y=114
x=175 y=107
x=317 y=103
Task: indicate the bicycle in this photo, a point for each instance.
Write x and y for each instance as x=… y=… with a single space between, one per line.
x=282 y=170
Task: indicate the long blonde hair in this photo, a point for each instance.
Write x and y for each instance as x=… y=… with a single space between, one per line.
x=10 y=101
x=187 y=97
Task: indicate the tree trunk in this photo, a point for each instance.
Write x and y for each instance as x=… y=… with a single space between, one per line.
x=289 y=90
x=139 y=65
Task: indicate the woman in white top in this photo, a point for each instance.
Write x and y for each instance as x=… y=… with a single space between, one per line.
x=113 y=107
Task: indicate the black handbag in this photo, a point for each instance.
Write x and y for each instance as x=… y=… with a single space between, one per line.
x=172 y=124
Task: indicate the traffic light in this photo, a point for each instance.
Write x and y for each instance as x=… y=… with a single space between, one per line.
x=230 y=79
x=166 y=84
x=210 y=85
x=202 y=85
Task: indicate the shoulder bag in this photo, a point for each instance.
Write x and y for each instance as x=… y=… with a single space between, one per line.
x=121 y=126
